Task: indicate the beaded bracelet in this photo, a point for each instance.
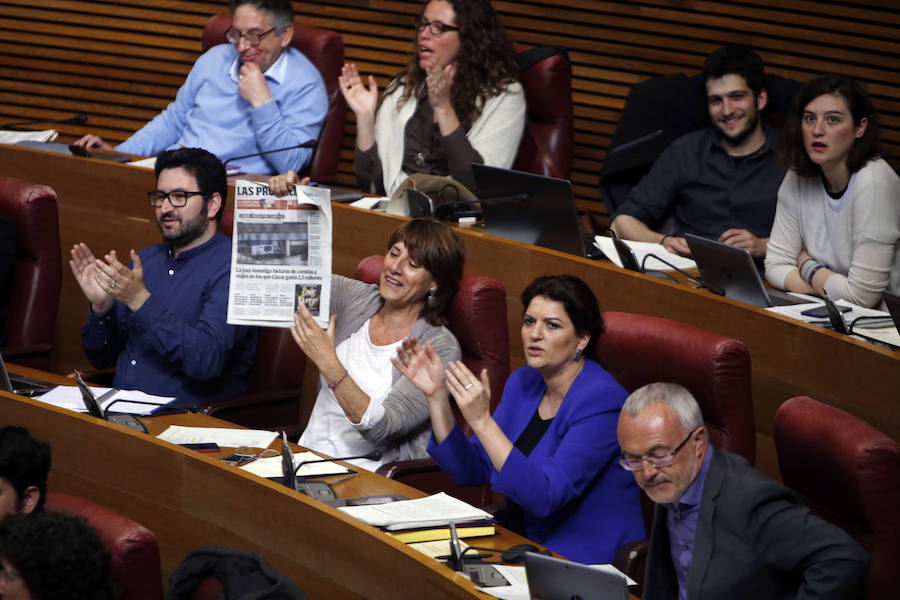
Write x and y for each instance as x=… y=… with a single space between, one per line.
x=813 y=271
x=805 y=273
x=331 y=386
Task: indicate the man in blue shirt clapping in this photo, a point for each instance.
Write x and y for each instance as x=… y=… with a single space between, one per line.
x=161 y=320
x=255 y=94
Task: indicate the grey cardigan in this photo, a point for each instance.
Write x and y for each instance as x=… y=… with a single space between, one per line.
x=406 y=421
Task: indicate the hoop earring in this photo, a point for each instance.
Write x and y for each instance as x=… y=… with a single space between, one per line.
x=431 y=300
x=578 y=354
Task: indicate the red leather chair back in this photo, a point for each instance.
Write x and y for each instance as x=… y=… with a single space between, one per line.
x=478 y=320
x=640 y=349
x=849 y=473
x=325 y=49
x=37 y=279
x=278 y=363
x=134 y=568
x=546 y=147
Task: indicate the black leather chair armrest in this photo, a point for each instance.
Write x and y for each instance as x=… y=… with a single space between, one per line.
x=631 y=559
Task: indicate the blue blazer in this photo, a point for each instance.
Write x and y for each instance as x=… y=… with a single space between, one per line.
x=577 y=500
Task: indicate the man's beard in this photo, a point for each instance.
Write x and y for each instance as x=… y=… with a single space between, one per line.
x=739 y=138
x=188 y=231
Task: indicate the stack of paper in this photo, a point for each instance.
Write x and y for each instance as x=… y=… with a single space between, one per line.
x=126 y=401
x=8 y=136
x=432 y=511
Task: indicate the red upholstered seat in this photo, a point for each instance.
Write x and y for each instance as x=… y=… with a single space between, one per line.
x=546 y=147
x=478 y=320
x=325 y=49
x=848 y=473
x=37 y=279
x=135 y=569
x=640 y=349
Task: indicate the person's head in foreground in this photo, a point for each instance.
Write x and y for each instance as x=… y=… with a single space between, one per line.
x=24 y=465
x=663 y=440
x=51 y=556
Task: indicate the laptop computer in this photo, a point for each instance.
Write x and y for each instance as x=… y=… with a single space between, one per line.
x=731 y=272
x=556 y=579
x=531 y=209
x=20 y=384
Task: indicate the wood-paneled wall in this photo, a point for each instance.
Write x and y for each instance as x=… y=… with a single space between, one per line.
x=122 y=61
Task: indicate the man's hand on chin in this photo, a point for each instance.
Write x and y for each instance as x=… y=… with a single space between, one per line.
x=252 y=84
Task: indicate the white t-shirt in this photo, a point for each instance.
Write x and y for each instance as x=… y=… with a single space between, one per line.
x=329 y=430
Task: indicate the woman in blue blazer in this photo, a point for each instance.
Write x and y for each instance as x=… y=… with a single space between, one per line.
x=550 y=447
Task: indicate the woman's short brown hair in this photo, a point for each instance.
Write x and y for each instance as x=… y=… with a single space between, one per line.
x=435 y=246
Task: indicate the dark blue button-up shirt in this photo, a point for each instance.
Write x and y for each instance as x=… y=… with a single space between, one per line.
x=177 y=343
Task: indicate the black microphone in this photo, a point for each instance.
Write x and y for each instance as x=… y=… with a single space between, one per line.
x=79 y=119
x=373 y=455
x=306 y=144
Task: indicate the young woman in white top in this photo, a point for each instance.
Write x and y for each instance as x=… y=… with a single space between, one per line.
x=837 y=223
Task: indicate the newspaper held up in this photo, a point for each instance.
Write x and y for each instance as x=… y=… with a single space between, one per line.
x=280 y=255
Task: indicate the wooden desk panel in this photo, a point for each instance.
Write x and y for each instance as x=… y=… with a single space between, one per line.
x=189 y=499
x=102 y=203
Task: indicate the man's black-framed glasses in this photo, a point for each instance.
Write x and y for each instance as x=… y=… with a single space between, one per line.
x=662 y=460
x=253 y=37
x=178 y=198
x=435 y=27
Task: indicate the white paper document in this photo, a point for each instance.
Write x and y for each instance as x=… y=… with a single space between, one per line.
x=9 y=136
x=271 y=466
x=883 y=332
x=126 y=401
x=226 y=437
x=642 y=249
x=432 y=511
x=280 y=255
x=518 y=583
x=371 y=202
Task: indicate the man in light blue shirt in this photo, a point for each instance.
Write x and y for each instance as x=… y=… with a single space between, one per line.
x=253 y=95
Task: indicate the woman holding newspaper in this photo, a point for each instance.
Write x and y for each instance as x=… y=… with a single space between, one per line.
x=457 y=102
x=363 y=403
x=837 y=222
x=550 y=447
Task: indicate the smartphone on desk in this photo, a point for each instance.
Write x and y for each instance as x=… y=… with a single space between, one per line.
x=821 y=312
x=202 y=447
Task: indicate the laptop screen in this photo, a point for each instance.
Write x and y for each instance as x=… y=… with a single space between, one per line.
x=528 y=208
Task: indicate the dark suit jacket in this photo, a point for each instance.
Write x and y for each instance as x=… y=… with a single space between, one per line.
x=754 y=540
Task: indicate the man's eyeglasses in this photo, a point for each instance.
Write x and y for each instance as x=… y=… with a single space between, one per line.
x=435 y=27
x=662 y=460
x=253 y=38
x=178 y=198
